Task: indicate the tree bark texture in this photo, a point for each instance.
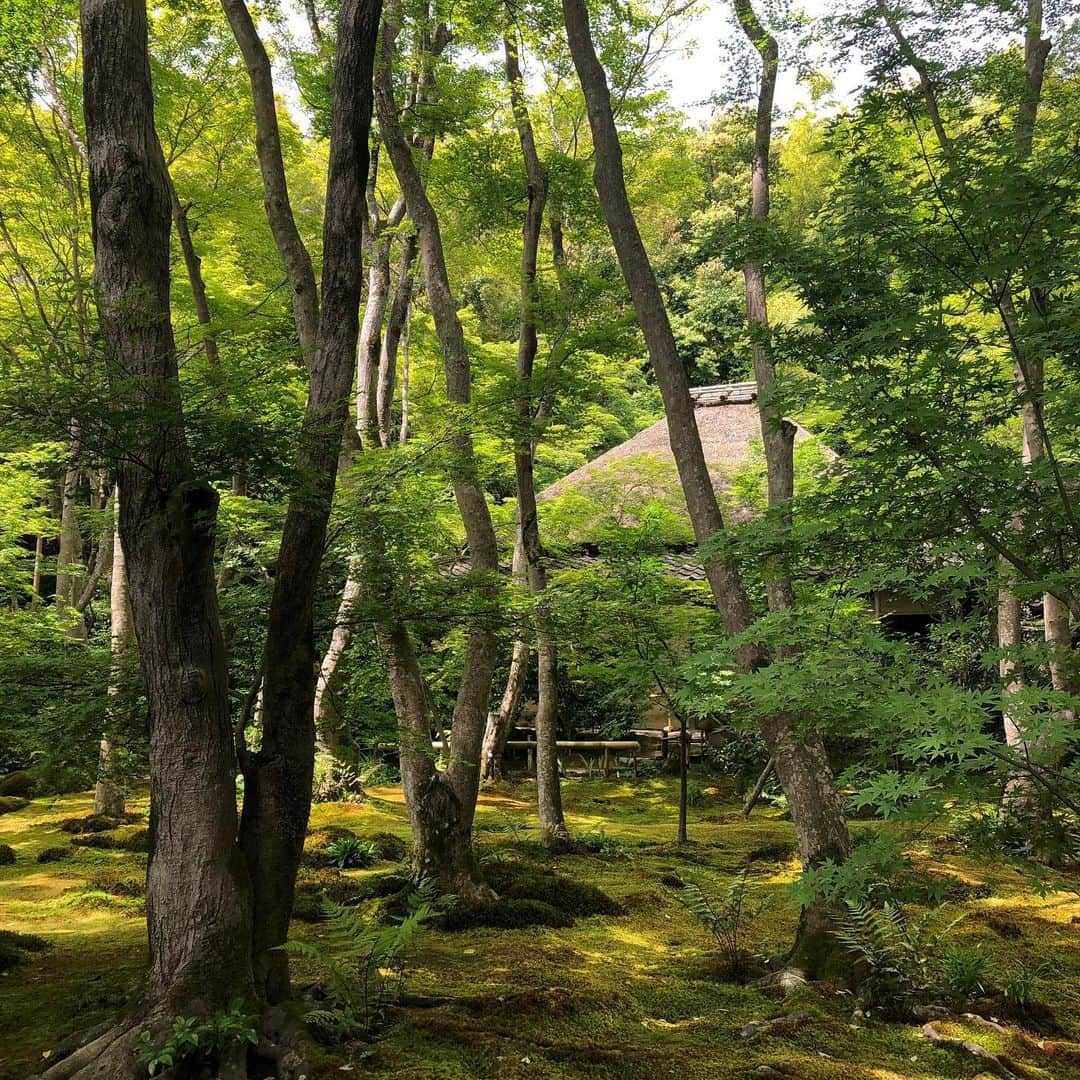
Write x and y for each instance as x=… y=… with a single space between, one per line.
x=395 y=326
x=198 y=893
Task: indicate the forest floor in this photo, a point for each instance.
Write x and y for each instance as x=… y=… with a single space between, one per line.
x=629 y=995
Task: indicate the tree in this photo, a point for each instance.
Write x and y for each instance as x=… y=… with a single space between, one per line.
x=801 y=762
x=211 y=931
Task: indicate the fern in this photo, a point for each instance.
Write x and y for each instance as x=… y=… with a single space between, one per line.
x=725 y=917
x=893 y=955
x=363 y=964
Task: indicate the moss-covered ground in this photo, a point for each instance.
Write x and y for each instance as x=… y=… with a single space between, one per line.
x=632 y=995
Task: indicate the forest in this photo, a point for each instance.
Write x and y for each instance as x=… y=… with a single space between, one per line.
x=539 y=539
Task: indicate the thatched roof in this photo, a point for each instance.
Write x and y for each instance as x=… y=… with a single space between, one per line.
x=621 y=481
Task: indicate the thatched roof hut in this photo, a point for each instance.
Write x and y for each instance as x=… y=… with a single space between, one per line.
x=618 y=484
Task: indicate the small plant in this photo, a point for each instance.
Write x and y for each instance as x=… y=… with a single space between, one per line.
x=725 y=917
x=964 y=972
x=364 y=964
x=507 y=825
x=1020 y=984
x=599 y=843
x=198 y=1043
x=373 y=771
x=695 y=795
x=335 y=781
x=351 y=853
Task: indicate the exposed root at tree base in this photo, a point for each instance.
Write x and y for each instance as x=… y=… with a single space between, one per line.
x=117 y=1054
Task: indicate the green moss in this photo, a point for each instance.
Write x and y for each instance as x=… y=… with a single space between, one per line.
x=627 y=997
x=137 y=840
x=14 y=947
x=10 y=803
x=389 y=847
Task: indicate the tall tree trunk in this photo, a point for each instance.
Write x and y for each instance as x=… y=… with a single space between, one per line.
x=549 y=794
x=499 y=723
x=108 y=794
x=193 y=266
x=277 y=795
x=305 y=299
x=403 y=427
x=802 y=765
x=449 y=798
x=369 y=348
x=329 y=737
x=70 y=553
x=395 y=326
x=198 y=894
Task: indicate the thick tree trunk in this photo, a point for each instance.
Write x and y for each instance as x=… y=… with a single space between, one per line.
x=549 y=794
x=471 y=708
x=108 y=793
x=801 y=763
x=198 y=894
x=277 y=795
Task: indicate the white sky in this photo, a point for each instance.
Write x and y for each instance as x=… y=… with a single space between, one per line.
x=694 y=68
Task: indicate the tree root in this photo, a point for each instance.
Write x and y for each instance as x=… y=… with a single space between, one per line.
x=114 y=1053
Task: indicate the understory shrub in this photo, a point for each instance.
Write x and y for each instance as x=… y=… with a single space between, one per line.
x=53 y=854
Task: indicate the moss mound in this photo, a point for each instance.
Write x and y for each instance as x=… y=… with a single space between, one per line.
x=137 y=841
x=507 y=914
x=532 y=896
x=53 y=854
x=126 y=887
x=7 y=854
x=97 y=823
x=317 y=843
x=18 y=783
x=388 y=847
x=312 y=886
x=14 y=947
x=10 y=803
x=518 y=881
